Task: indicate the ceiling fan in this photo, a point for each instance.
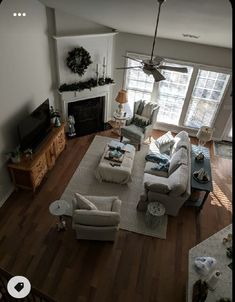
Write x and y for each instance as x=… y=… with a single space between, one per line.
x=154 y=64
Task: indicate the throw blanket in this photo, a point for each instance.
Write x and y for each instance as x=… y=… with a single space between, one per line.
x=157 y=158
x=161 y=167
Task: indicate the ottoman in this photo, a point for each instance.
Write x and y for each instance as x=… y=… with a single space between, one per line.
x=110 y=171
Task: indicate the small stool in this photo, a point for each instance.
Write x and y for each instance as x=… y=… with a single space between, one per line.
x=155 y=212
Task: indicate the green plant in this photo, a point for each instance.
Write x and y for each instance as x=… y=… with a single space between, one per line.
x=14 y=153
x=54 y=112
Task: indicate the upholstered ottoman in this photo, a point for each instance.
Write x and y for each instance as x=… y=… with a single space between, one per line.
x=110 y=171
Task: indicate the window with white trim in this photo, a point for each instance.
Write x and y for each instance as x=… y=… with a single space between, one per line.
x=206 y=97
x=191 y=100
x=171 y=94
x=139 y=86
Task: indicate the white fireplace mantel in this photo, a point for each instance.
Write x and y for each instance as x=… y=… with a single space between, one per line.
x=74 y=96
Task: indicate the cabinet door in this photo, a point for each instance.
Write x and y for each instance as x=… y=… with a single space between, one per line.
x=39 y=170
x=59 y=142
x=50 y=156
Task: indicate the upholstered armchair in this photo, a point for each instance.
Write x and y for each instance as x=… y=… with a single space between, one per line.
x=140 y=126
x=96 y=217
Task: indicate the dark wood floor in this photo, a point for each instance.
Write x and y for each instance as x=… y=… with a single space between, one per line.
x=134 y=268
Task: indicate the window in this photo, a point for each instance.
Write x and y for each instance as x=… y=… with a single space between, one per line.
x=171 y=94
x=186 y=99
x=206 y=97
x=138 y=85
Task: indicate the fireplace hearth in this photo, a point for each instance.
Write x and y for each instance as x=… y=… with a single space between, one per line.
x=88 y=115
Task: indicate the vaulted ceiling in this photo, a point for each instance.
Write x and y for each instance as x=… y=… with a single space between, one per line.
x=209 y=20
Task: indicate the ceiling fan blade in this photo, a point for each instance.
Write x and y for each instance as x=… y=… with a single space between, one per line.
x=129 y=67
x=134 y=59
x=178 y=69
x=157 y=75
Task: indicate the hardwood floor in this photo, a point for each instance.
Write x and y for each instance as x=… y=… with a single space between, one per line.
x=134 y=268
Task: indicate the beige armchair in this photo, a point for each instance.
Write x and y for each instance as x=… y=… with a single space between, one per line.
x=138 y=133
x=101 y=223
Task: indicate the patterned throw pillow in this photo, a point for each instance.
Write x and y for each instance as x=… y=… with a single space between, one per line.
x=140 y=121
x=165 y=142
x=148 y=108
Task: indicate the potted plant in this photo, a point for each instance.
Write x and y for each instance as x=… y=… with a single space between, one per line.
x=15 y=155
x=55 y=115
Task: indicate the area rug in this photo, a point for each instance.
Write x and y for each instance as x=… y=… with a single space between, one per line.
x=84 y=181
x=223 y=149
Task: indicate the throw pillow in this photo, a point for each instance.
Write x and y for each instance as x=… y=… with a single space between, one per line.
x=165 y=142
x=140 y=121
x=178 y=158
x=148 y=108
x=140 y=108
x=84 y=203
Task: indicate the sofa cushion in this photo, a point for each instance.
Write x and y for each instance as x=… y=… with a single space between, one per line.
x=178 y=180
x=140 y=121
x=158 y=187
x=183 y=135
x=83 y=203
x=178 y=158
x=180 y=142
x=96 y=218
x=133 y=132
x=152 y=169
x=165 y=142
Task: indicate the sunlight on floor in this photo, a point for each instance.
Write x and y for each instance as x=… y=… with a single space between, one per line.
x=219 y=199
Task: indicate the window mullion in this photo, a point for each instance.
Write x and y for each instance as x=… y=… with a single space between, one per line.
x=188 y=95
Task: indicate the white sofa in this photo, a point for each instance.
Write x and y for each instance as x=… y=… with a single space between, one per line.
x=171 y=188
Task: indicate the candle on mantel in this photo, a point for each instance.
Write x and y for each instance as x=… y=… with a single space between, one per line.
x=97 y=67
x=104 y=61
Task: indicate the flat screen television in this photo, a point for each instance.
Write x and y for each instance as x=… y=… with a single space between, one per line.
x=33 y=129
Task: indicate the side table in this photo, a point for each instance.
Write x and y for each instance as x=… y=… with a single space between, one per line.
x=120 y=121
x=195 y=185
x=155 y=212
x=58 y=208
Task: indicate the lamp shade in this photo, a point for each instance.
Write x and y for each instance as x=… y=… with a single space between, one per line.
x=204 y=134
x=122 y=97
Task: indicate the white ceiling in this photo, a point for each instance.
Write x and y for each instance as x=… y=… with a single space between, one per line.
x=211 y=20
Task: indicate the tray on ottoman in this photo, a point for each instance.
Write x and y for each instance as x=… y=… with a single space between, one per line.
x=118 y=173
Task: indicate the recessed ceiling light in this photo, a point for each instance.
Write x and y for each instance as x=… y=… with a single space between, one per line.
x=190 y=36
x=24 y=14
x=14 y=14
x=19 y=14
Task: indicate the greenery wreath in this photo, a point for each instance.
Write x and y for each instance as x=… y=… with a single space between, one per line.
x=78 y=60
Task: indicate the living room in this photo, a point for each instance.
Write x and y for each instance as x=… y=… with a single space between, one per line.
x=33 y=55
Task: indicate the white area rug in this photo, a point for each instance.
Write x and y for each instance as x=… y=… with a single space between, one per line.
x=84 y=181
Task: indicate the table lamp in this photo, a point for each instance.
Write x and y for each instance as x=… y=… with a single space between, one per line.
x=121 y=99
x=204 y=135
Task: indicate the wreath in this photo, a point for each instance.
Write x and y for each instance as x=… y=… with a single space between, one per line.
x=78 y=60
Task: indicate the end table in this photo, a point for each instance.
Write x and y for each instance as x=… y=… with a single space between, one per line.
x=58 y=208
x=155 y=212
x=120 y=121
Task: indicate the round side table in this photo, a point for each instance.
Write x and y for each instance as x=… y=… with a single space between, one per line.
x=120 y=121
x=154 y=214
x=58 y=208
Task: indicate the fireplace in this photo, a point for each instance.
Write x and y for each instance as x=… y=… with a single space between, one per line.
x=88 y=115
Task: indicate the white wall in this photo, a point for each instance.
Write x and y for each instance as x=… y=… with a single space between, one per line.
x=73 y=25
x=178 y=50
x=25 y=75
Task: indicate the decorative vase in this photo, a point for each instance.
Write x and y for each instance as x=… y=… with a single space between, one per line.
x=15 y=159
x=57 y=122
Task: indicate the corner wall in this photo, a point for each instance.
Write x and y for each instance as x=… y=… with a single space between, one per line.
x=25 y=73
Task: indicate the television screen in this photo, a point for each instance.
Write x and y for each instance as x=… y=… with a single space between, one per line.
x=35 y=127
